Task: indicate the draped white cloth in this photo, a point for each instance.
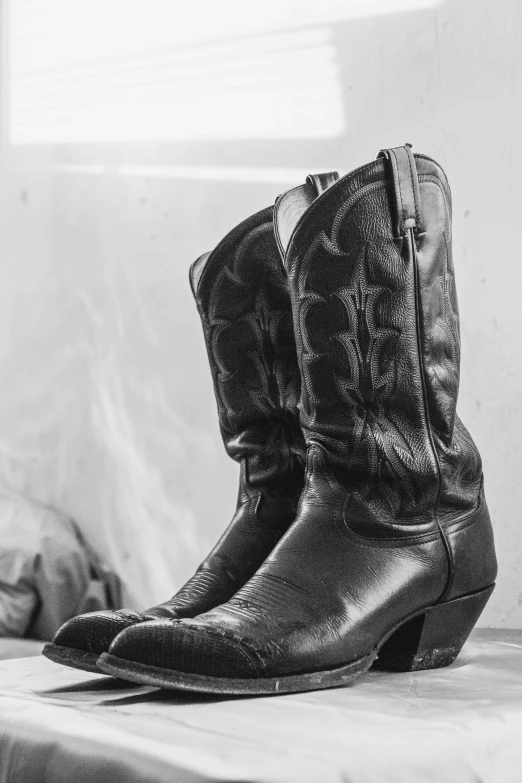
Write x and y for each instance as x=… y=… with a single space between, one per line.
x=462 y=724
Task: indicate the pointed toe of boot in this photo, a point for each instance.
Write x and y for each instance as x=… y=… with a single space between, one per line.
x=80 y=641
x=170 y=650
x=95 y=631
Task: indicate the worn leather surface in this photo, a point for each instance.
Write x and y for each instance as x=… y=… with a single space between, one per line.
x=392 y=518
x=93 y=632
x=242 y=297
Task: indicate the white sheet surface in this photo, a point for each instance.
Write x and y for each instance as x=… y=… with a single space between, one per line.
x=19 y=648
x=462 y=724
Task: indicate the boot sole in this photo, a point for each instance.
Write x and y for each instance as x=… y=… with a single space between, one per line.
x=262 y=686
x=428 y=639
x=76 y=659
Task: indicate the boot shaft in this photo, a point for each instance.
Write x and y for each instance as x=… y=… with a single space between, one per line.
x=241 y=293
x=376 y=322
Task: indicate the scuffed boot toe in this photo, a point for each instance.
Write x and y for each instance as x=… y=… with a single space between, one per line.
x=80 y=641
x=157 y=652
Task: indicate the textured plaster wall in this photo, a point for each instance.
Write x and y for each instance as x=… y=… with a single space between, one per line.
x=107 y=410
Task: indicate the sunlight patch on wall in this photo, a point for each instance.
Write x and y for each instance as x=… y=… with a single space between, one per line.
x=109 y=71
x=283 y=85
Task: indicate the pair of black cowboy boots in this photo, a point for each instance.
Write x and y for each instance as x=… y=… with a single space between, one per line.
x=361 y=535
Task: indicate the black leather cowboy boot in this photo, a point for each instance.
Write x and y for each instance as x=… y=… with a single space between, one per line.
x=242 y=296
x=391 y=557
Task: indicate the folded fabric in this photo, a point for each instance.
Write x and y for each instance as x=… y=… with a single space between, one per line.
x=48 y=573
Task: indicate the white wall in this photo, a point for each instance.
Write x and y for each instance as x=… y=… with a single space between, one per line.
x=107 y=407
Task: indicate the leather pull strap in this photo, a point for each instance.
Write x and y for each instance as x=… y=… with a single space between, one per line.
x=322 y=182
x=408 y=213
